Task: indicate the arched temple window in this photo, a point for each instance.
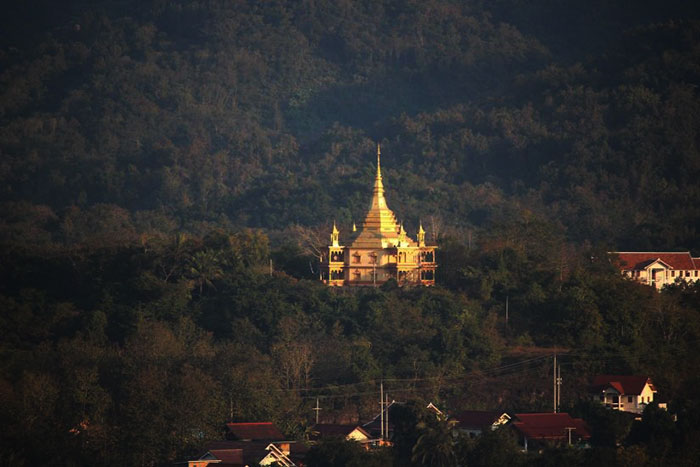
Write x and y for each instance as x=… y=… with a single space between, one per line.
x=337 y=256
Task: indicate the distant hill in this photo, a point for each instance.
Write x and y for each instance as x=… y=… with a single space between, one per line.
x=264 y=114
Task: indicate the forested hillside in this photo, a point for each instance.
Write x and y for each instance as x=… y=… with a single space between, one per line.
x=263 y=114
x=169 y=169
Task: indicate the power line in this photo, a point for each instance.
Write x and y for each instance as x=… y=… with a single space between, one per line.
x=337 y=391
x=502 y=370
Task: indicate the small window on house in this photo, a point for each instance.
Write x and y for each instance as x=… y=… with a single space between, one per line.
x=616 y=399
x=673 y=273
x=356 y=258
x=696 y=274
x=629 y=399
x=687 y=274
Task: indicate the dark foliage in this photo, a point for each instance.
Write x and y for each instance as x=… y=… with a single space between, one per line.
x=168 y=171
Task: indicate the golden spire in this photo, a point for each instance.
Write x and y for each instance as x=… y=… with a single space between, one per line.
x=402 y=236
x=379 y=229
x=421 y=234
x=354 y=227
x=334 y=236
x=378 y=201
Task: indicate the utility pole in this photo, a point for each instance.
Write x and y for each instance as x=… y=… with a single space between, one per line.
x=558 y=387
x=381 y=407
x=317 y=409
x=556 y=382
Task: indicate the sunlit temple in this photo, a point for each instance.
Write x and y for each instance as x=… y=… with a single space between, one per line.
x=380 y=250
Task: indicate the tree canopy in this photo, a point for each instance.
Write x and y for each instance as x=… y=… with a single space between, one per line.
x=169 y=171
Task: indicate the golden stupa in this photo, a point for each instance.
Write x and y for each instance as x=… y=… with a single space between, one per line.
x=381 y=250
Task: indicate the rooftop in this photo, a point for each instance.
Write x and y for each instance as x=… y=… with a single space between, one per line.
x=550 y=426
x=636 y=260
x=624 y=384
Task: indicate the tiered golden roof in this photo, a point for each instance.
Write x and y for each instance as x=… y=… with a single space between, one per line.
x=380 y=228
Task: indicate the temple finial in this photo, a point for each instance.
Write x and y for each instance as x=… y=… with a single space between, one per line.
x=379 y=153
x=421 y=234
x=335 y=236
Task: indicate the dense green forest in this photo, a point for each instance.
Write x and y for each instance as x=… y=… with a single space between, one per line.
x=169 y=169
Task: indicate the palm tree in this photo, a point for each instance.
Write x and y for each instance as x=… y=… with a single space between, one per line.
x=435 y=446
x=204 y=268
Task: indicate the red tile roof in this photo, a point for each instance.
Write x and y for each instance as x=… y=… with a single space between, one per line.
x=624 y=384
x=254 y=431
x=255 y=451
x=550 y=426
x=476 y=419
x=635 y=260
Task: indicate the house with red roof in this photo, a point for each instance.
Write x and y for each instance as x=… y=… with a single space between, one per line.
x=657 y=269
x=251 y=444
x=251 y=453
x=623 y=392
x=549 y=429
